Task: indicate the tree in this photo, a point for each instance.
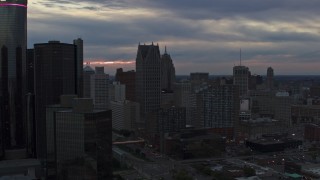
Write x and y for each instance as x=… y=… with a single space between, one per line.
x=182 y=175
x=248 y=171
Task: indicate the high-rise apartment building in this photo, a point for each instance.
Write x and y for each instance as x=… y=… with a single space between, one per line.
x=55 y=74
x=270 y=75
x=241 y=78
x=13 y=46
x=100 y=89
x=148 y=78
x=221 y=106
x=129 y=79
x=168 y=72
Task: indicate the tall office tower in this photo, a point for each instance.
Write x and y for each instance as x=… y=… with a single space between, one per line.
x=168 y=72
x=127 y=78
x=55 y=74
x=13 y=46
x=270 y=75
x=100 y=89
x=87 y=72
x=30 y=109
x=282 y=108
x=221 y=106
x=148 y=79
x=183 y=98
x=80 y=146
x=241 y=78
x=79 y=55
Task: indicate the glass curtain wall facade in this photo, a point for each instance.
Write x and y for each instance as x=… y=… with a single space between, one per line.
x=13 y=41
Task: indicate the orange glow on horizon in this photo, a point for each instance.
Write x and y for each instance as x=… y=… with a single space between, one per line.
x=102 y=62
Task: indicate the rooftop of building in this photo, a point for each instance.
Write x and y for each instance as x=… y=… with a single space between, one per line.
x=19 y=163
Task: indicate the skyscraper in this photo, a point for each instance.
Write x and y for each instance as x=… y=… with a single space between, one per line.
x=55 y=74
x=100 y=89
x=148 y=79
x=241 y=78
x=13 y=45
x=87 y=72
x=79 y=72
x=168 y=72
x=270 y=78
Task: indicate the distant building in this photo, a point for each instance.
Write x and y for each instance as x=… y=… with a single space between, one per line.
x=241 y=79
x=221 y=106
x=270 y=74
x=183 y=97
x=255 y=128
x=129 y=80
x=194 y=143
x=171 y=119
x=82 y=139
x=87 y=72
x=99 y=89
x=125 y=114
x=312 y=132
x=148 y=79
x=199 y=77
x=262 y=103
x=117 y=91
x=305 y=114
x=282 y=108
x=168 y=73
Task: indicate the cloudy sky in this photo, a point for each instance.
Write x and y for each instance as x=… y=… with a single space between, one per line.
x=200 y=35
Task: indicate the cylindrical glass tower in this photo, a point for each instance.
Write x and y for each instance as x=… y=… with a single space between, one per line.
x=13 y=45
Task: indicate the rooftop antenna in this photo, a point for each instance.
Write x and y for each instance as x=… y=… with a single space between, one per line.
x=165 y=49
x=240 y=57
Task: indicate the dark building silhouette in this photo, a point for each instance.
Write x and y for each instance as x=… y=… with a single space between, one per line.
x=127 y=78
x=79 y=140
x=87 y=72
x=30 y=110
x=241 y=78
x=13 y=45
x=199 y=77
x=79 y=63
x=270 y=75
x=168 y=72
x=55 y=74
x=148 y=79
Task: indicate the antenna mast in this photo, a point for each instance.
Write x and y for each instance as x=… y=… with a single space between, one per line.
x=240 y=57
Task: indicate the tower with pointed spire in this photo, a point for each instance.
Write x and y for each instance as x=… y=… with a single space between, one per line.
x=168 y=73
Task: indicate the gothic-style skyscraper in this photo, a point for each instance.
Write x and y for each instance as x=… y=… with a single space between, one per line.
x=148 y=78
x=168 y=72
x=13 y=45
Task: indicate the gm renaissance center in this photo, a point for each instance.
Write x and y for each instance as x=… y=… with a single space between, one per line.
x=13 y=45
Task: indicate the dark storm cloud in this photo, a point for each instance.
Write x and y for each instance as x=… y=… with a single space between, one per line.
x=204 y=31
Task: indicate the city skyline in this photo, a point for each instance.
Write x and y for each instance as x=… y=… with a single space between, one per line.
x=200 y=36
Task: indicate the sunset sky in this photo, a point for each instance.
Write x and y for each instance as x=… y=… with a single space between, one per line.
x=200 y=35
